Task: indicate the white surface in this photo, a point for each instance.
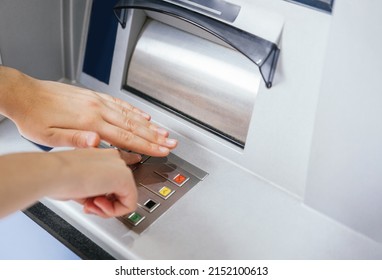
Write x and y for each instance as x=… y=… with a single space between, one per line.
x=225 y=217
x=345 y=178
x=283 y=118
x=235 y=216
x=21 y=238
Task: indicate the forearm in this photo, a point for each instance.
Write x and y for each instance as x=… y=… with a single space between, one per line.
x=24 y=179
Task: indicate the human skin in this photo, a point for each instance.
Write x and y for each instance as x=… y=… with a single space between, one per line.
x=56 y=114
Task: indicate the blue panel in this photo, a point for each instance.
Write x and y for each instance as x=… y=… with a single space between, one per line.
x=101 y=39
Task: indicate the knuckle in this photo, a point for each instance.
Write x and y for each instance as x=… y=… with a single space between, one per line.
x=153 y=147
x=125 y=136
x=115 y=99
x=86 y=120
x=48 y=133
x=77 y=140
x=125 y=112
x=93 y=103
x=130 y=124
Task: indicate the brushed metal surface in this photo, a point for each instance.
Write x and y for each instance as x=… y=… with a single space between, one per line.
x=211 y=83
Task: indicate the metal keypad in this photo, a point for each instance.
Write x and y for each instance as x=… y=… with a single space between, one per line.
x=161 y=182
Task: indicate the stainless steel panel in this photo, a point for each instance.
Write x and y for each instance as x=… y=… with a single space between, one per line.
x=211 y=83
x=75 y=19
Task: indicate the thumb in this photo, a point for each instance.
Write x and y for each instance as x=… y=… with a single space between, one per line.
x=85 y=139
x=74 y=138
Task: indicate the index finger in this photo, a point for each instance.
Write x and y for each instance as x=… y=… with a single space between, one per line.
x=127 y=140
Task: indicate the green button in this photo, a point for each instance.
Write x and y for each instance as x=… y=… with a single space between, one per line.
x=135 y=218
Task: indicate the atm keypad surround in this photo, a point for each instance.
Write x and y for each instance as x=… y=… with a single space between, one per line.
x=160 y=182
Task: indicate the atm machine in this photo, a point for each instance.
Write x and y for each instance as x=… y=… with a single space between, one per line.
x=276 y=106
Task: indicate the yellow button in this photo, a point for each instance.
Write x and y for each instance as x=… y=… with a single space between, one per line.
x=165 y=191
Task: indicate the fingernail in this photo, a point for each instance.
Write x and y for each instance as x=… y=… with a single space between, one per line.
x=145 y=115
x=171 y=142
x=89 y=211
x=139 y=157
x=162 y=131
x=164 y=150
x=91 y=139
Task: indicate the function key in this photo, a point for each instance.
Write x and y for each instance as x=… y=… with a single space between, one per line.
x=134 y=218
x=177 y=175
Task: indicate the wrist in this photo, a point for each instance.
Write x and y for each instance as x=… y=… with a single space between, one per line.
x=13 y=91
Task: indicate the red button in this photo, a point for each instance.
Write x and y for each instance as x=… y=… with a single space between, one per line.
x=180 y=179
